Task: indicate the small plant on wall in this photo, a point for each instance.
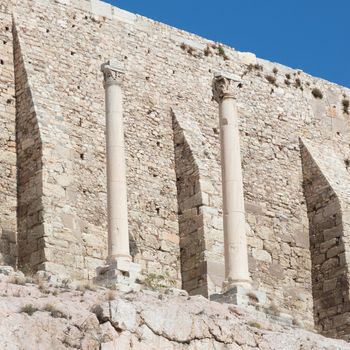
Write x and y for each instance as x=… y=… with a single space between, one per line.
x=189 y=49
x=208 y=51
x=222 y=53
x=346 y=104
x=271 y=79
x=158 y=282
x=347 y=163
x=317 y=93
x=214 y=49
x=297 y=83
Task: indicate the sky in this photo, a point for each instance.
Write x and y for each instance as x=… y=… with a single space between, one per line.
x=311 y=35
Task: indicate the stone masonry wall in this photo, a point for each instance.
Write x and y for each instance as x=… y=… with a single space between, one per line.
x=8 y=201
x=199 y=201
x=191 y=226
x=29 y=170
x=63 y=44
x=328 y=238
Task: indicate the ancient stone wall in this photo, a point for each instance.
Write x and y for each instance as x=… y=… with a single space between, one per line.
x=199 y=206
x=29 y=169
x=8 y=194
x=191 y=226
x=168 y=71
x=327 y=201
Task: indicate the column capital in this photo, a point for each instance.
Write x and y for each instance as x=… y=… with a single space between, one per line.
x=113 y=72
x=224 y=85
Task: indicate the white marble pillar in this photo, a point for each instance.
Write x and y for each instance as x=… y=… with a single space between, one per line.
x=235 y=241
x=118 y=235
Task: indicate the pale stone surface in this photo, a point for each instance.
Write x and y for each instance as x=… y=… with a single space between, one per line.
x=56 y=96
x=247 y=58
x=123 y=275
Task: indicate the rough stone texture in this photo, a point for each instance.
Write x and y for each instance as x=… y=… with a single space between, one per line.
x=191 y=225
x=8 y=171
x=59 y=47
x=29 y=172
x=46 y=316
x=199 y=226
x=328 y=201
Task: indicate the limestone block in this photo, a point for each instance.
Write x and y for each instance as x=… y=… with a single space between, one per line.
x=247 y=58
x=121 y=265
x=64 y=180
x=335 y=251
x=173 y=238
x=239 y=295
x=216 y=272
x=206 y=186
x=332 y=263
x=302 y=238
x=253 y=208
x=329 y=285
x=217 y=223
x=55 y=269
x=286 y=249
x=122 y=273
x=319 y=259
x=327 y=244
x=83 y=5
x=166 y=246
x=183 y=40
x=101 y=8
x=262 y=255
x=122 y=15
x=255 y=242
x=333 y=232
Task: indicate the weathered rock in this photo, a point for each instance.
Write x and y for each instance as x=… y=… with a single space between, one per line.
x=67 y=320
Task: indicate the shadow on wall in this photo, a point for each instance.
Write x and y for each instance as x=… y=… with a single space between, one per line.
x=29 y=175
x=330 y=286
x=191 y=227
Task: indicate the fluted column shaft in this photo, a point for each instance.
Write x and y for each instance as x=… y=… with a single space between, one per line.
x=235 y=241
x=117 y=208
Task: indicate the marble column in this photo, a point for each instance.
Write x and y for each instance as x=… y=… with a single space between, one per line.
x=235 y=241
x=118 y=235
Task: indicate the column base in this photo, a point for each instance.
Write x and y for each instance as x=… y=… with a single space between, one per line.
x=121 y=274
x=231 y=284
x=241 y=295
x=119 y=257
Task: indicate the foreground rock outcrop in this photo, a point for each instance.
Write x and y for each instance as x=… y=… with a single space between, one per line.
x=36 y=314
